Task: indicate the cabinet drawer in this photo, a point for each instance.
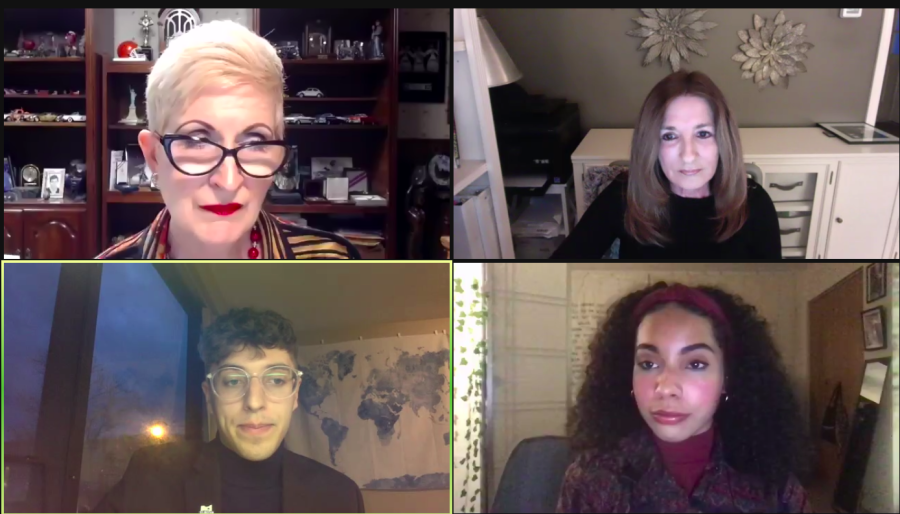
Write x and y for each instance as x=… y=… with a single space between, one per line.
x=794 y=228
x=790 y=187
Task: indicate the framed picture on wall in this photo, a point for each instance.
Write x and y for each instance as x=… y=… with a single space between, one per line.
x=873 y=329
x=422 y=58
x=876 y=281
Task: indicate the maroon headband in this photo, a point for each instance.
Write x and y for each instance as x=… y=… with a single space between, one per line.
x=681 y=294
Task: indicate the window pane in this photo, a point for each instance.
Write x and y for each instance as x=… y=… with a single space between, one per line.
x=29 y=304
x=138 y=377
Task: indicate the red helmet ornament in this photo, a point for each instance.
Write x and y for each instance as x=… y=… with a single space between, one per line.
x=127 y=49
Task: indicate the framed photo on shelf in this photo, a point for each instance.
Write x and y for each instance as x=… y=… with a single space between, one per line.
x=54 y=183
x=873 y=329
x=876 y=281
x=859 y=133
x=422 y=67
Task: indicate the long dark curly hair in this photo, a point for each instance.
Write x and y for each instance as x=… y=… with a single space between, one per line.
x=760 y=425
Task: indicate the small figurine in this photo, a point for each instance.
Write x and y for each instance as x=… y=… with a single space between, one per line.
x=359 y=51
x=81 y=46
x=377 y=45
x=71 y=44
x=132 y=118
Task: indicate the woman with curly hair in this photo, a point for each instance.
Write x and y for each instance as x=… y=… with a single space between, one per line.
x=685 y=407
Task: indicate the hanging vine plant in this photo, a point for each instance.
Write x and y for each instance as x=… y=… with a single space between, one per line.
x=469 y=316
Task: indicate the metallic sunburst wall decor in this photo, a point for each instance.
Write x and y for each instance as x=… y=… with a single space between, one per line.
x=773 y=51
x=671 y=34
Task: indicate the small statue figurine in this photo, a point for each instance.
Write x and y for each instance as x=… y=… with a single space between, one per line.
x=377 y=44
x=132 y=118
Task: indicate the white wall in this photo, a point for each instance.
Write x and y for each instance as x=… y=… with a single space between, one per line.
x=126 y=24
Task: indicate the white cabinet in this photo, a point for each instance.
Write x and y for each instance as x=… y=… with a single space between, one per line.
x=865 y=194
x=803 y=171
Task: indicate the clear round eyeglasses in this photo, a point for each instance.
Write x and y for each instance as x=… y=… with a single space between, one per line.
x=279 y=382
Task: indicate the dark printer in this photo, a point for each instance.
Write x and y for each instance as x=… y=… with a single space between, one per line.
x=535 y=135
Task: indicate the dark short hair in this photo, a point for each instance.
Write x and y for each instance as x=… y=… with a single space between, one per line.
x=247 y=327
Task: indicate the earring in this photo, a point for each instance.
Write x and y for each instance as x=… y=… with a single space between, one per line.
x=632 y=393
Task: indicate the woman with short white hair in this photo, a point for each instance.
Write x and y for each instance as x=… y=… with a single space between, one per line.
x=215 y=140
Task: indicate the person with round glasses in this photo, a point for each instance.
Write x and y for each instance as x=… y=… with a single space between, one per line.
x=215 y=140
x=251 y=389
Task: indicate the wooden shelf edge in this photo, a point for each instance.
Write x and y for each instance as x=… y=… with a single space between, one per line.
x=322 y=209
x=25 y=97
x=334 y=62
x=335 y=127
x=43 y=59
x=129 y=67
x=137 y=197
x=57 y=124
x=122 y=126
x=293 y=99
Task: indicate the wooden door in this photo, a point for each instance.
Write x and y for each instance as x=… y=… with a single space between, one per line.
x=835 y=355
x=53 y=235
x=12 y=232
x=859 y=222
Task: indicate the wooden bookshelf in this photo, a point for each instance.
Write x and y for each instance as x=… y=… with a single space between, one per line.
x=43 y=229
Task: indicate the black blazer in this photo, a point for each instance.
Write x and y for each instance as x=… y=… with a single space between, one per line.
x=184 y=476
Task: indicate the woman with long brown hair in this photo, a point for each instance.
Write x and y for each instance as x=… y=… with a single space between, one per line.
x=686 y=194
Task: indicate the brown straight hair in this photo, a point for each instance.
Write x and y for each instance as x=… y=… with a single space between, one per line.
x=647 y=214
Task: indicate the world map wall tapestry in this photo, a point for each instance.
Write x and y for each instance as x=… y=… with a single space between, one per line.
x=378 y=410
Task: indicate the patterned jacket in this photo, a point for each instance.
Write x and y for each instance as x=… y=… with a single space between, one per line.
x=632 y=478
x=281 y=239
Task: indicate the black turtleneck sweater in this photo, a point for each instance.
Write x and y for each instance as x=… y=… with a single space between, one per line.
x=250 y=486
x=692 y=229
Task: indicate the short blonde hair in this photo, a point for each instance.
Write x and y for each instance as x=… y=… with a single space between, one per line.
x=215 y=53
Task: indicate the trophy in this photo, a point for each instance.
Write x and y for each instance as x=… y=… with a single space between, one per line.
x=145 y=48
x=377 y=43
x=132 y=118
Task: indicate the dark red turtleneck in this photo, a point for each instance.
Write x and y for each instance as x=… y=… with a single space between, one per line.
x=686 y=460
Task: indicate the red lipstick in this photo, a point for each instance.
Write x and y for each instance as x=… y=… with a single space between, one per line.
x=222 y=209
